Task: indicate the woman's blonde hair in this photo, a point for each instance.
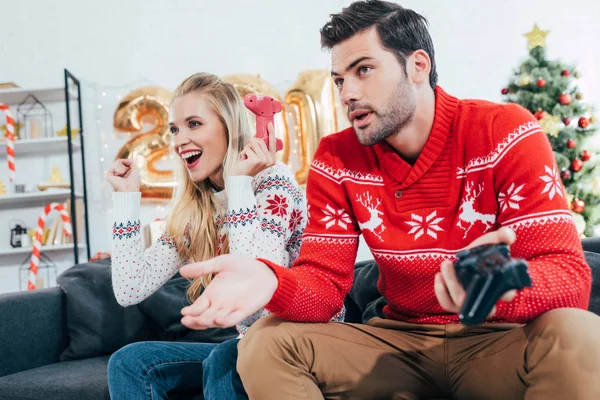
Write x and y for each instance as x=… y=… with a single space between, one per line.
x=194 y=205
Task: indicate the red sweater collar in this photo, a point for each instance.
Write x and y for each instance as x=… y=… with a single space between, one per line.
x=401 y=172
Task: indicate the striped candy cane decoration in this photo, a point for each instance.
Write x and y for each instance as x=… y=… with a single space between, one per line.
x=39 y=234
x=10 y=140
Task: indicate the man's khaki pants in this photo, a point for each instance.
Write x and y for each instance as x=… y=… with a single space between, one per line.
x=557 y=356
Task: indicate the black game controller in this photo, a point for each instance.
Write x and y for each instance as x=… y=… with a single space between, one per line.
x=487 y=272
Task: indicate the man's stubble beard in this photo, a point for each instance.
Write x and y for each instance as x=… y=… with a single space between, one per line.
x=397 y=112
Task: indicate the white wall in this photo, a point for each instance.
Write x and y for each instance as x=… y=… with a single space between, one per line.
x=118 y=42
x=114 y=46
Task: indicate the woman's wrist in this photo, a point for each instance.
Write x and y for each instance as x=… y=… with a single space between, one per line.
x=127 y=206
x=239 y=191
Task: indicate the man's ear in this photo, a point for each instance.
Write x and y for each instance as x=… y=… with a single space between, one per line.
x=418 y=66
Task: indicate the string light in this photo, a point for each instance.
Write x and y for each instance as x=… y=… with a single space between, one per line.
x=99 y=106
x=101 y=159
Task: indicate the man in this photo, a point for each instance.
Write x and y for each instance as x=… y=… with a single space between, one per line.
x=421 y=175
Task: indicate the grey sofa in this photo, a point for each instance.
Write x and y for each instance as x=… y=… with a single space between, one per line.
x=35 y=334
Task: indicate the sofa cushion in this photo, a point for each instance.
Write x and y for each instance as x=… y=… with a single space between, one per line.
x=364 y=301
x=68 y=380
x=79 y=379
x=96 y=323
x=593 y=260
x=164 y=308
x=591 y=244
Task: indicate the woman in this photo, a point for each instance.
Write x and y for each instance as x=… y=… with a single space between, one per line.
x=231 y=196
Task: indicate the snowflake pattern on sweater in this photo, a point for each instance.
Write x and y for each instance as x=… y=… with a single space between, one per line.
x=264 y=217
x=484 y=166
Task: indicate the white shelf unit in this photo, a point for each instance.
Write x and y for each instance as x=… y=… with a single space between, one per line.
x=45 y=249
x=22 y=200
x=56 y=147
x=15 y=96
x=39 y=146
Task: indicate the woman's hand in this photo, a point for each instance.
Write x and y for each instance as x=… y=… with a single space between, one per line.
x=256 y=157
x=124 y=176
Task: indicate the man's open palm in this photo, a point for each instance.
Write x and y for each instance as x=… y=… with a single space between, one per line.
x=241 y=286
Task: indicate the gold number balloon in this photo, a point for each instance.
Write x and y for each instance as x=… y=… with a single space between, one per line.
x=312 y=103
x=151 y=147
x=315 y=108
x=245 y=84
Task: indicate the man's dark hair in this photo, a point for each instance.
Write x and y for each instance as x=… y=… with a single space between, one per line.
x=401 y=30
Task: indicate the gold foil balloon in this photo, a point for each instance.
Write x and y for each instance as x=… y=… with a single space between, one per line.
x=312 y=104
x=245 y=84
x=147 y=149
x=315 y=109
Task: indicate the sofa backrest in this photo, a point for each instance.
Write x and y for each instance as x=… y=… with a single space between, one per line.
x=98 y=325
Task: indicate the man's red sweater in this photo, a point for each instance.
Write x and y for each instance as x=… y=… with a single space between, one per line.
x=484 y=166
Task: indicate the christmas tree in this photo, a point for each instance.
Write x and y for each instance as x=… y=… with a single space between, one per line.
x=548 y=89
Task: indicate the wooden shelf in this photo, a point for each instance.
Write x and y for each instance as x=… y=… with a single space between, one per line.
x=22 y=200
x=51 y=145
x=46 y=95
x=45 y=249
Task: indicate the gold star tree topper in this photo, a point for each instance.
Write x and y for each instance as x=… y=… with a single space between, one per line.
x=536 y=37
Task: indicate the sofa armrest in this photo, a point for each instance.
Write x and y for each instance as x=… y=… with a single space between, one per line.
x=33 y=329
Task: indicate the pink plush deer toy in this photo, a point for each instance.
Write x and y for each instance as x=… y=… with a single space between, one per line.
x=265 y=108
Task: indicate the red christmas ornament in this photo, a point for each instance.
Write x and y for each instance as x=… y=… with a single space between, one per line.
x=539 y=114
x=565 y=175
x=576 y=165
x=586 y=155
x=505 y=91
x=566 y=121
x=541 y=83
x=578 y=206
x=583 y=122
x=571 y=143
x=565 y=72
x=565 y=99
